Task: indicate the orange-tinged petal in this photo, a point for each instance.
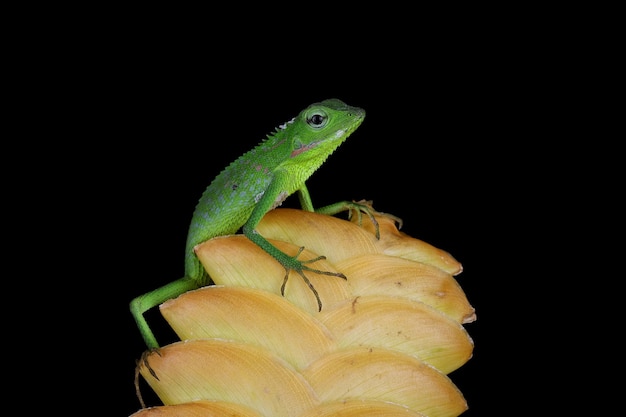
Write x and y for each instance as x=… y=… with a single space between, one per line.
x=232 y=372
x=251 y=316
x=395 y=243
x=198 y=409
x=236 y=261
x=329 y=236
x=384 y=375
x=403 y=325
x=389 y=275
x=361 y=408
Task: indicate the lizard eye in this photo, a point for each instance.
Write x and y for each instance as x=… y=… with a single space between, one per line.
x=317 y=120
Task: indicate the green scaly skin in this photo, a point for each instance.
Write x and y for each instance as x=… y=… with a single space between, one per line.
x=255 y=183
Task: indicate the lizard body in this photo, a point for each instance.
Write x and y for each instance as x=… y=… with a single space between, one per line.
x=255 y=183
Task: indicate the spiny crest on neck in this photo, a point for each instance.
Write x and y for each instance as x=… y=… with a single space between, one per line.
x=284 y=125
x=280 y=128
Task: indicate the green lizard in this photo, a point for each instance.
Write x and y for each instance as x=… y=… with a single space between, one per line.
x=255 y=183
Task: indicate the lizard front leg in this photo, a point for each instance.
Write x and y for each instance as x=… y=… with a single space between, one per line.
x=358 y=207
x=273 y=195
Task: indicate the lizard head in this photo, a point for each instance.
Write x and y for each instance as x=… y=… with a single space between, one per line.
x=319 y=129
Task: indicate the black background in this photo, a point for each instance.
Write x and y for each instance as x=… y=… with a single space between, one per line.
x=486 y=131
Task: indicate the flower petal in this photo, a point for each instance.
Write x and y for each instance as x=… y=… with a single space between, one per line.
x=389 y=275
x=198 y=409
x=395 y=243
x=384 y=375
x=361 y=408
x=236 y=261
x=330 y=236
x=250 y=316
x=403 y=325
x=232 y=372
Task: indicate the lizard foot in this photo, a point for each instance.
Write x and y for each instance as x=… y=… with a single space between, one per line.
x=144 y=361
x=366 y=206
x=300 y=272
x=358 y=208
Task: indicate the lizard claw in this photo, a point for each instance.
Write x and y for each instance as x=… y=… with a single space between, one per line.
x=366 y=206
x=300 y=272
x=143 y=360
